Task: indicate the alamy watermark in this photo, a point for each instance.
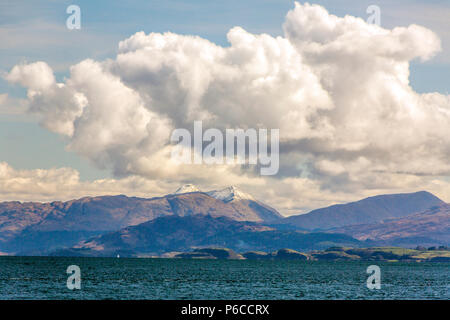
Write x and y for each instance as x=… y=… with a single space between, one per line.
x=375 y=15
x=374 y=280
x=237 y=146
x=74 y=20
x=74 y=280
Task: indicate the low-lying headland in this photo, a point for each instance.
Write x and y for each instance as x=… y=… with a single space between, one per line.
x=389 y=254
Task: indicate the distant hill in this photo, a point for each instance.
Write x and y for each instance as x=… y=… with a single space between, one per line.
x=392 y=254
x=175 y=233
x=430 y=227
x=228 y=254
x=210 y=253
x=33 y=226
x=369 y=210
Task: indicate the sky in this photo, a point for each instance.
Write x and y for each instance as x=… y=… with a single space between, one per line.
x=362 y=109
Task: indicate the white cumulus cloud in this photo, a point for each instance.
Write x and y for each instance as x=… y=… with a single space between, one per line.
x=337 y=88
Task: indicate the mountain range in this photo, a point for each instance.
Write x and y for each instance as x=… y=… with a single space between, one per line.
x=369 y=210
x=427 y=228
x=174 y=233
x=32 y=226
x=190 y=218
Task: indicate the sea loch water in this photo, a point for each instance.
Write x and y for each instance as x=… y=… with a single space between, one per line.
x=112 y=278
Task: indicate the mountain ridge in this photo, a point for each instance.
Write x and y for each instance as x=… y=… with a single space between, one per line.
x=56 y=223
x=30 y=227
x=175 y=233
x=432 y=224
x=368 y=210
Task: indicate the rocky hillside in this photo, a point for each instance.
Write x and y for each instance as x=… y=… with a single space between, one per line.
x=229 y=217
x=174 y=233
x=34 y=226
x=430 y=227
x=370 y=210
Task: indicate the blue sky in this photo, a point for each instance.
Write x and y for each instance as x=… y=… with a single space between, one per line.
x=32 y=31
x=39 y=29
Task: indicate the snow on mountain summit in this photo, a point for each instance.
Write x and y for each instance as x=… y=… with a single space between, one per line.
x=229 y=194
x=226 y=195
x=186 y=189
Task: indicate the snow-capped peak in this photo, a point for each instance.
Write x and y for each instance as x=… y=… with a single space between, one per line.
x=186 y=189
x=229 y=194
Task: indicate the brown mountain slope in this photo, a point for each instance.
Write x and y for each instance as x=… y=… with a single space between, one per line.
x=369 y=210
x=432 y=224
x=175 y=233
x=31 y=220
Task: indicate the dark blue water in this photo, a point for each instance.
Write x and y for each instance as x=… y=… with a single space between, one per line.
x=109 y=278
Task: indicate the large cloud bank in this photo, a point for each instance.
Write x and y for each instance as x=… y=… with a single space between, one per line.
x=337 y=88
